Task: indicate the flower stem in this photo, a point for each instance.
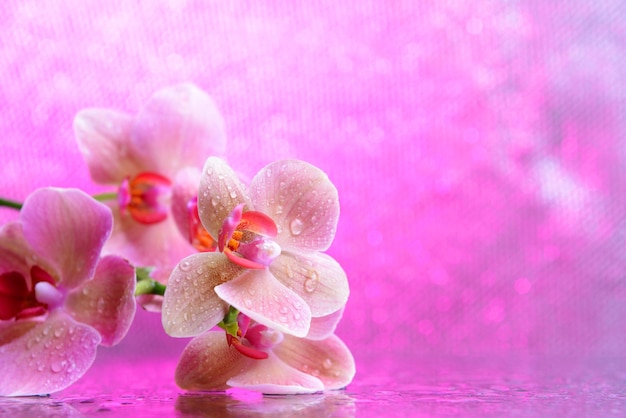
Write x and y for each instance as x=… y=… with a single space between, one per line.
x=103 y=197
x=149 y=287
x=10 y=204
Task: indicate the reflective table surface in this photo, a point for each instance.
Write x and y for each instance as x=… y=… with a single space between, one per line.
x=385 y=385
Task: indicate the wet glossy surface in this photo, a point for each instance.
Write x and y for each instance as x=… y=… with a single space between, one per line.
x=392 y=386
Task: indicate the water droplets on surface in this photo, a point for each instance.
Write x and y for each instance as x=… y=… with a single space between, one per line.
x=296 y=226
x=310 y=284
x=327 y=364
x=185 y=266
x=247 y=303
x=58 y=366
x=233 y=194
x=101 y=305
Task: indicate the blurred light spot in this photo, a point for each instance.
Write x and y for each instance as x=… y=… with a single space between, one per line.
x=380 y=315
x=439 y=276
x=374 y=238
x=522 y=286
x=175 y=62
x=372 y=291
x=444 y=303
x=425 y=327
x=474 y=26
x=494 y=311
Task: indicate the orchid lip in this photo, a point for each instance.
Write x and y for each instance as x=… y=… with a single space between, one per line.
x=145 y=197
x=199 y=237
x=245 y=238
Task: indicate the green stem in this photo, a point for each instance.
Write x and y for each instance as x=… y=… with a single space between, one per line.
x=229 y=323
x=103 y=197
x=10 y=204
x=149 y=287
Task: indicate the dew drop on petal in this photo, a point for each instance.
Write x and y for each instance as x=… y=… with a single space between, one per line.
x=185 y=266
x=233 y=194
x=58 y=366
x=327 y=364
x=278 y=210
x=296 y=226
x=101 y=305
x=58 y=332
x=310 y=285
x=212 y=264
x=248 y=303
x=283 y=310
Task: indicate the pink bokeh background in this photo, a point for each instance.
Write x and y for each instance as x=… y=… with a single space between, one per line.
x=478 y=147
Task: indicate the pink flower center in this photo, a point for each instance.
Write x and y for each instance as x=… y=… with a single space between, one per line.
x=246 y=239
x=253 y=341
x=19 y=302
x=145 y=197
x=199 y=237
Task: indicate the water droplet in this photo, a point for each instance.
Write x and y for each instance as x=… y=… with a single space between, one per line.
x=282 y=184
x=283 y=310
x=328 y=363
x=46 y=331
x=296 y=226
x=248 y=303
x=214 y=201
x=57 y=366
x=310 y=285
x=101 y=305
x=251 y=291
x=184 y=266
x=278 y=210
x=315 y=373
x=282 y=318
x=212 y=264
x=233 y=194
x=297 y=316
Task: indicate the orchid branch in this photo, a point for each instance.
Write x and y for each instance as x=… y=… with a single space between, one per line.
x=10 y=204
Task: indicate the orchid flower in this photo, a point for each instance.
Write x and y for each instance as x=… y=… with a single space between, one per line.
x=265 y=360
x=141 y=155
x=58 y=299
x=269 y=265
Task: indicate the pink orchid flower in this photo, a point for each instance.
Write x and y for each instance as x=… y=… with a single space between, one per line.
x=58 y=299
x=142 y=155
x=265 y=360
x=270 y=265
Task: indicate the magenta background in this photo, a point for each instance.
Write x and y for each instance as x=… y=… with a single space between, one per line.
x=478 y=147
